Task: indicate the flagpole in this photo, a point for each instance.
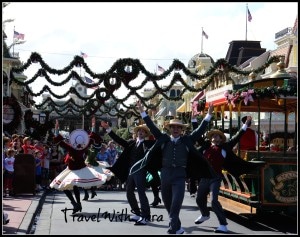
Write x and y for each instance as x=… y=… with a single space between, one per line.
x=202 y=41
x=14 y=42
x=83 y=121
x=246 y=19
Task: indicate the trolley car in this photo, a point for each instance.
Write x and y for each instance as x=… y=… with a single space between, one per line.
x=274 y=186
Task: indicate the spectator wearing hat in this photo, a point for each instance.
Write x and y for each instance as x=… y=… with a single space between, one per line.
x=76 y=174
x=134 y=150
x=178 y=155
x=219 y=155
x=249 y=141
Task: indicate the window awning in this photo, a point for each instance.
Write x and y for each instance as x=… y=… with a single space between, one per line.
x=161 y=112
x=181 y=108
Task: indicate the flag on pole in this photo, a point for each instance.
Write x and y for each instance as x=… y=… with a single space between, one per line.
x=204 y=34
x=84 y=55
x=160 y=69
x=249 y=15
x=90 y=81
x=18 y=35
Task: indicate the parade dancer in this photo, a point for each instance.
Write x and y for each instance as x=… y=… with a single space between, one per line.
x=92 y=162
x=76 y=174
x=219 y=154
x=179 y=154
x=134 y=150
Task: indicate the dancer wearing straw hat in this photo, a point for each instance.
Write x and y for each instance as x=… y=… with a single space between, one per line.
x=134 y=150
x=178 y=155
x=219 y=154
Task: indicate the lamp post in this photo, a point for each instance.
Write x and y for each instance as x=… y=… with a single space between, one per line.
x=42 y=118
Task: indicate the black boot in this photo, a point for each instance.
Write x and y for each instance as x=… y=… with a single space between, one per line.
x=93 y=192
x=86 y=195
x=76 y=206
x=77 y=196
x=156 y=201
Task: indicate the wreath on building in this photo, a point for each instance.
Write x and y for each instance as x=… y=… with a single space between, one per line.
x=11 y=103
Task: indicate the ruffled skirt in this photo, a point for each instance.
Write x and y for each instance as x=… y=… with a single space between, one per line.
x=84 y=178
x=102 y=170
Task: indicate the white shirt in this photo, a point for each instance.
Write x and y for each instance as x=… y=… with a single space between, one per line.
x=9 y=164
x=174 y=139
x=138 y=142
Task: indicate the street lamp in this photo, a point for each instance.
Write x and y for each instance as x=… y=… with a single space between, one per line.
x=42 y=118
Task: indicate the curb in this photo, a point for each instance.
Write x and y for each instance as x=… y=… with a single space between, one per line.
x=31 y=214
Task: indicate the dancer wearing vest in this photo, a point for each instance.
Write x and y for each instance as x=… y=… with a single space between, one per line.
x=220 y=156
x=178 y=155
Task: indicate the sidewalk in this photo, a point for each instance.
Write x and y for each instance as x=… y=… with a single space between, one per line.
x=21 y=209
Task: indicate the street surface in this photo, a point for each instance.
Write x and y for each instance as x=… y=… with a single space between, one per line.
x=108 y=213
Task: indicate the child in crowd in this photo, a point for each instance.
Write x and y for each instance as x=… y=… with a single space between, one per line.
x=46 y=167
x=38 y=170
x=28 y=148
x=9 y=172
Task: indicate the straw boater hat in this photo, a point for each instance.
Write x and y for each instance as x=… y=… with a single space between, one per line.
x=176 y=122
x=79 y=139
x=144 y=127
x=216 y=131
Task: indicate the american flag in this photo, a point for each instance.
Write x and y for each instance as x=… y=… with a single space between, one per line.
x=249 y=15
x=18 y=35
x=90 y=81
x=84 y=55
x=161 y=69
x=204 y=34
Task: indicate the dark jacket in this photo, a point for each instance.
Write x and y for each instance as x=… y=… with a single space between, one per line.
x=74 y=158
x=196 y=164
x=233 y=164
x=122 y=165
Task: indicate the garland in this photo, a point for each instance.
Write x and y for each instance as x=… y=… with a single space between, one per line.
x=122 y=72
x=247 y=95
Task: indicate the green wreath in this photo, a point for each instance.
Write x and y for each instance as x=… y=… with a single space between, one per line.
x=102 y=95
x=112 y=87
x=11 y=101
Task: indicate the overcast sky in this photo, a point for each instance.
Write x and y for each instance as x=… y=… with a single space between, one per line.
x=154 y=33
